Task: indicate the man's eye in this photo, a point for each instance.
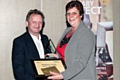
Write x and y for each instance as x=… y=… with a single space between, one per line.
x=34 y=22
x=40 y=22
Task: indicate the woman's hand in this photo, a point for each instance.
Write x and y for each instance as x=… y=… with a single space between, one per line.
x=103 y=77
x=55 y=76
x=52 y=55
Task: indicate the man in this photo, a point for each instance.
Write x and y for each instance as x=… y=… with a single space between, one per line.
x=30 y=45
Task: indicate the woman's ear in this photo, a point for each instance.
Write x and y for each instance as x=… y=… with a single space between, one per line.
x=81 y=16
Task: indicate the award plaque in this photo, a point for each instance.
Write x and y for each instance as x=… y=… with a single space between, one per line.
x=50 y=47
x=42 y=67
x=46 y=71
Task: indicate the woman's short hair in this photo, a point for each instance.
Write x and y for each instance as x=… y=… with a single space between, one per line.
x=76 y=4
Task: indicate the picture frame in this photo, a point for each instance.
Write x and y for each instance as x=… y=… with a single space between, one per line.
x=39 y=64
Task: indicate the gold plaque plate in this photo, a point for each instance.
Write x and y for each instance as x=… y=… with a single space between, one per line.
x=46 y=71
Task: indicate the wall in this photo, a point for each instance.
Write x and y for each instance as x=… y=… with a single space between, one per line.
x=116 y=39
x=54 y=11
x=12 y=24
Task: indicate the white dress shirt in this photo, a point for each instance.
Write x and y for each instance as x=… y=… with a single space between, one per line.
x=39 y=45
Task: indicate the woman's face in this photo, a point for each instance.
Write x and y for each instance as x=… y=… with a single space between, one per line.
x=73 y=17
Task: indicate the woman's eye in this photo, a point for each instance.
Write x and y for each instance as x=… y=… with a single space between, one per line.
x=68 y=13
x=74 y=13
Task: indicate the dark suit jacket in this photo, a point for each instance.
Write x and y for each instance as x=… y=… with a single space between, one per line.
x=23 y=51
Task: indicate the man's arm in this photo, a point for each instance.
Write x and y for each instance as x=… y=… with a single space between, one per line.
x=18 y=61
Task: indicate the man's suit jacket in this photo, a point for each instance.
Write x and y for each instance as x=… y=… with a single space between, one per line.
x=79 y=55
x=23 y=51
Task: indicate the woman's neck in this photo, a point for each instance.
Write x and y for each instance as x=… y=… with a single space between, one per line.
x=70 y=32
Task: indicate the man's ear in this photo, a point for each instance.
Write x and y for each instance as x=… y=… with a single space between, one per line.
x=26 y=23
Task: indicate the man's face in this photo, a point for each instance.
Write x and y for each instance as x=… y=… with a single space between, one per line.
x=34 y=24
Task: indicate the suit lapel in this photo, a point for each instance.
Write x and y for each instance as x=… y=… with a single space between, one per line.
x=33 y=52
x=45 y=43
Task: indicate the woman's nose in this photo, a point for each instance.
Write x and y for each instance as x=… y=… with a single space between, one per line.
x=71 y=15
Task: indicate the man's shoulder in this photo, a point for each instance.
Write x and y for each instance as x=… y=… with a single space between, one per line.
x=22 y=36
x=44 y=36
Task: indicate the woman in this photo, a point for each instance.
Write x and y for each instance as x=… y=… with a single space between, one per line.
x=76 y=47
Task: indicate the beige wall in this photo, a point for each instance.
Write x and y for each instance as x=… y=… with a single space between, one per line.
x=116 y=38
x=12 y=18
x=54 y=11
